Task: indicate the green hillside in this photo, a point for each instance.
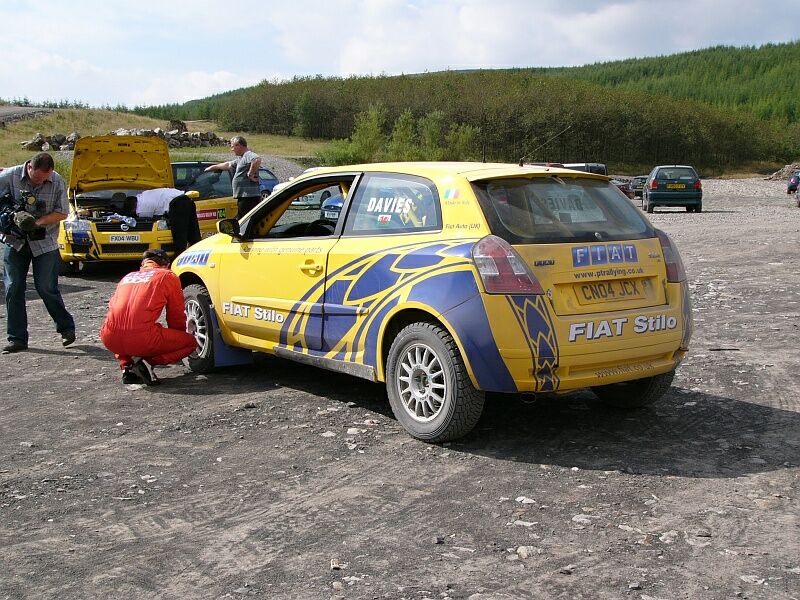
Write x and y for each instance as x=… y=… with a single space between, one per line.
x=763 y=80
x=715 y=108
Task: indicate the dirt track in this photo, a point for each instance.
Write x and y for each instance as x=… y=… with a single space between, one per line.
x=282 y=481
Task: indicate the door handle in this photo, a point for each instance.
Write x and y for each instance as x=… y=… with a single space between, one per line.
x=311 y=266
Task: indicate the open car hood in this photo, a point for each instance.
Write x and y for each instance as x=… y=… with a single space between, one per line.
x=120 y=162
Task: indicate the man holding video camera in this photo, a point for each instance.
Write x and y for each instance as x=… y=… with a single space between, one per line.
x=39 y=198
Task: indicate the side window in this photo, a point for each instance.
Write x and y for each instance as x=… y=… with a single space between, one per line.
x=224 y=186
x=300 y=211
x=212 y=184
x=388 y=203
x=181 y=176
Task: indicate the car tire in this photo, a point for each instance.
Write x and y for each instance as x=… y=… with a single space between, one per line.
x=429 y=389
x=636 y=393
x=265 y=194
x=199 y=322
x=698 y=208
x=72 y=267
x=649 y=207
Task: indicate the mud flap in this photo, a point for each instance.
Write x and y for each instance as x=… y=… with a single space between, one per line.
x=225 y=355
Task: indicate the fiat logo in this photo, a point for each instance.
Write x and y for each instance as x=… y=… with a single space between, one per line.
x=124 y=227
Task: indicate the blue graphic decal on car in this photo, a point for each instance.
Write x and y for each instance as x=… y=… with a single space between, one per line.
x=534 y=319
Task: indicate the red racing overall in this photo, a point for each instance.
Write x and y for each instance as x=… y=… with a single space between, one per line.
x=131 y=327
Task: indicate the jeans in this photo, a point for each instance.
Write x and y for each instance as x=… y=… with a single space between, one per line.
x=45 y=278
x=245 y=205
x=183 y=223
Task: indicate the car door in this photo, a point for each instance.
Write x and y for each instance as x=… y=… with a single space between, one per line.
x=272 y=282
x=391 y=237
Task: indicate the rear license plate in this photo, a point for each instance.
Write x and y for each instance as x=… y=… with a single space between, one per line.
x=611 y=291
x=120 y=238
x=676 y=186
x=330 y=214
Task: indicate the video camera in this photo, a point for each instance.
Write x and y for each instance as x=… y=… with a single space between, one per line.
x=17 y=221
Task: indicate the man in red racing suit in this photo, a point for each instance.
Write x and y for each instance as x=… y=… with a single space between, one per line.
x=131 y=329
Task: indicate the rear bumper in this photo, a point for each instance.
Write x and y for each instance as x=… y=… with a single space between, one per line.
x=675 y=199
x=587 y=370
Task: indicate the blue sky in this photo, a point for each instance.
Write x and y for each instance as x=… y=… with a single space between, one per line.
x=109 y=52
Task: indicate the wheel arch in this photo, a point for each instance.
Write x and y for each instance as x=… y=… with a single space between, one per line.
x=403 y=317
x=188 y=278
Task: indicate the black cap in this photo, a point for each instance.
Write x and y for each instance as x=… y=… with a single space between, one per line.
x=158 y=256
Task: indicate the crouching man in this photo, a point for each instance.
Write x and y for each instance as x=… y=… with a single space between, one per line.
x=131 y=329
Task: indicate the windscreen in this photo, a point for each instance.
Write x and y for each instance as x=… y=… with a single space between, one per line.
x=677 y=173
x=553 y=209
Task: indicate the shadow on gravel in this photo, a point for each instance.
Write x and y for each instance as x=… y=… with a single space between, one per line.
x=686 y=435
x=269 y=373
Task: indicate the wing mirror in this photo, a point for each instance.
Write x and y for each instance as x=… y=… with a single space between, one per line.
x=229 y=227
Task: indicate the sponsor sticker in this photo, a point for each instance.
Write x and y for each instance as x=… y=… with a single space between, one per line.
x=193 y=258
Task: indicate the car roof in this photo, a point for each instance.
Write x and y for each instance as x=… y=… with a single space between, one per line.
x=472 y=171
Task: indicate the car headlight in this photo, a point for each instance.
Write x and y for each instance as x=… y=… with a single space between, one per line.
x=162 y=225
x=77 y=225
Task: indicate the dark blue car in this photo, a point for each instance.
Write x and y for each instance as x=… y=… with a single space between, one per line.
x=331 y=208
x=794 y=181
x=266 y=181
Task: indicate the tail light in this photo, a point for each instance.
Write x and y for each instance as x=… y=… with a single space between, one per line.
x=698 y=185
x=672 y=258
x=502 y=270
x=653 y=184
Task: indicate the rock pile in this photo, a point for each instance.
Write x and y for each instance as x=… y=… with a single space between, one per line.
x=785 y=172
x=57 y=141
x=177 y=138
x=174 y=137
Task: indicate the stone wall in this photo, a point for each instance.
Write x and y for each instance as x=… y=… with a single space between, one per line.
x=175 y=138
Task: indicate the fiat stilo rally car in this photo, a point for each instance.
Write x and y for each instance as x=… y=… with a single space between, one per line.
x=447 y=281
x=107 y=173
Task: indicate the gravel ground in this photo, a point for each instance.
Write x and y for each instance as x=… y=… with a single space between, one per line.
x=284 y=481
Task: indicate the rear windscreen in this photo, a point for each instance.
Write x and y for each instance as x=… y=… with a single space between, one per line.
x=677 y=173
x=554 y=209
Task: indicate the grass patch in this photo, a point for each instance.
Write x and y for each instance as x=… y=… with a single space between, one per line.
x=102 y=122
x=263 y=143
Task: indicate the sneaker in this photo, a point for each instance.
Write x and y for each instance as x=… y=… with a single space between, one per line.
x=67 y=338
x=129 y=376
x=12 y=347
x=145 y=370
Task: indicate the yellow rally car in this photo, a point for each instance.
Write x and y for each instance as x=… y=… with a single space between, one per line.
x=445 y=281
x=107 y=173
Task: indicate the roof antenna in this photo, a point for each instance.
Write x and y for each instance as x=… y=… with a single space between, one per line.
x=522 y=160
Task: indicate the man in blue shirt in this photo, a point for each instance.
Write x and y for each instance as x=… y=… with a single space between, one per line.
x=246 y=189
x=43 y=195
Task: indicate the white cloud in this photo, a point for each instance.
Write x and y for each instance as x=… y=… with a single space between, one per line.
x=145 y=52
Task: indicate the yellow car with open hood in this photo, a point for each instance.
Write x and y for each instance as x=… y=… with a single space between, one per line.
x=107 y=173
